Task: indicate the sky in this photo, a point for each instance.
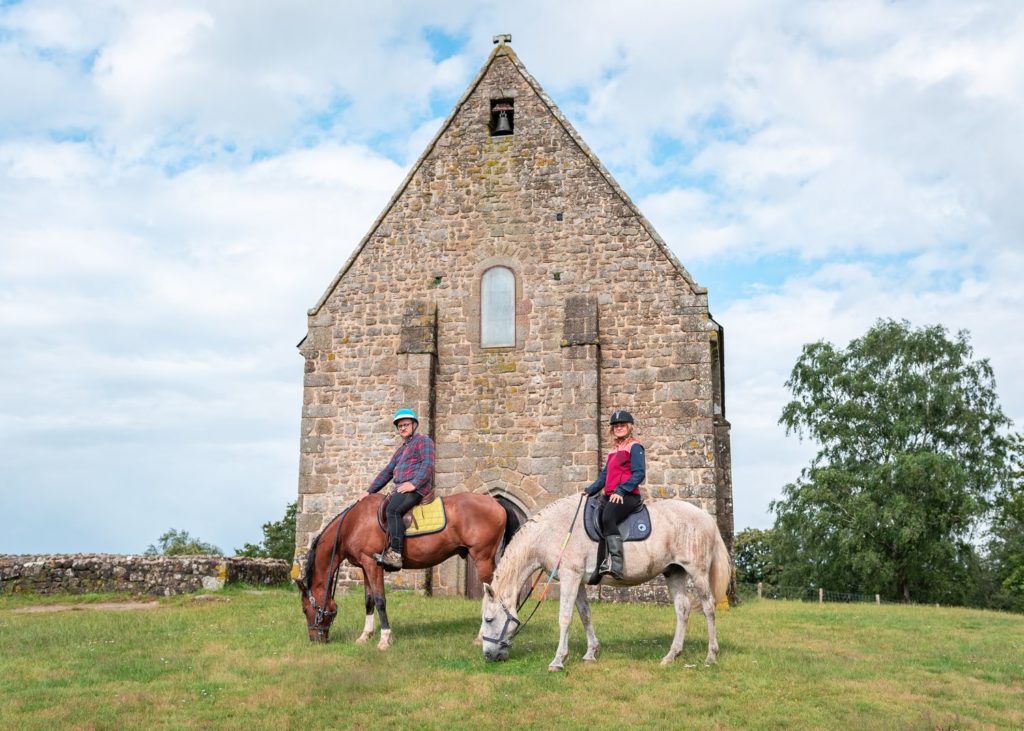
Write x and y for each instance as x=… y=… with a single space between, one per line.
x=180 y=181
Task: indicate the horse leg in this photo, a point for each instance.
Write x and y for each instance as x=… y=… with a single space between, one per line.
x=375 y=582
x=565 y=605
x=675 y=577
x=707 y=602
x=593 y=646
x=368 y=602
x=485 y=570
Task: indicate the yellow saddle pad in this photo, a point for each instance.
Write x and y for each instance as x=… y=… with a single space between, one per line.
x=426 y=519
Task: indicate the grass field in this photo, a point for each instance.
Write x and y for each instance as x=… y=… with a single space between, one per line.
x=244 y=662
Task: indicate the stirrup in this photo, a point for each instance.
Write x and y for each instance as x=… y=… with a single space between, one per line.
x=389 y=558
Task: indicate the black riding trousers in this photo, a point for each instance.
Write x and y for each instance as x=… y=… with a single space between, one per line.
x=400 y=504
x=615 y=513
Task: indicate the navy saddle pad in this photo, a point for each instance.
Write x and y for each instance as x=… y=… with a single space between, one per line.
x=636 y=527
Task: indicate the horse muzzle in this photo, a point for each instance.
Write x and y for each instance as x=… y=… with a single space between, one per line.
x=497 y=654
x=319 y=635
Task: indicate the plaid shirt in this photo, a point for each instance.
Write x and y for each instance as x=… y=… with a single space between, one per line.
x=412 y=462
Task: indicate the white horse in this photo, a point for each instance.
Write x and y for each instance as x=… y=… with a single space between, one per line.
x=684 y=544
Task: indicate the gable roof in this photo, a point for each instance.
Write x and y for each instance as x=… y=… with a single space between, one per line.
x=504 y=50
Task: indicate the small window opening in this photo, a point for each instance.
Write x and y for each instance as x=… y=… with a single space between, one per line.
x=502 y=117
x=498 y=308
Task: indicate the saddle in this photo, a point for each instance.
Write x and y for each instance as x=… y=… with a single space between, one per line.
x=636 y=527
x=425 y=518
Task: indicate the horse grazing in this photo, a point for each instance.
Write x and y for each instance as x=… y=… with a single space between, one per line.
x=476 y=526
x=684 y=544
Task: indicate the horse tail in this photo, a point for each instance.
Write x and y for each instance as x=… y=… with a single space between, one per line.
x=512 y=524
x=721 y=568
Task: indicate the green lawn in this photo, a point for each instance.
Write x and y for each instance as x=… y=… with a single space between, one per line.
x=245 y=663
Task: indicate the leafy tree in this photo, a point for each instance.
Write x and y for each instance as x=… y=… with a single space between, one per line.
x=755 y=560
x=911 y=456
x=1006 y=546
x=180 y=543
x=278 y=538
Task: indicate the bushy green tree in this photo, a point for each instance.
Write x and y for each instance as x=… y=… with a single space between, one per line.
x=755 y=560
x=911 y=455
x=180 y=543
x=1006 y=545
x=278 y=538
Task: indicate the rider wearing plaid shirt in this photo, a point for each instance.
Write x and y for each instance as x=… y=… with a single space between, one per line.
x=412 y=462
x=412 y=469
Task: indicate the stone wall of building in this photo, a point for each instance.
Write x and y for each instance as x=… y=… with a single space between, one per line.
x=605 y=317
x=156 y=575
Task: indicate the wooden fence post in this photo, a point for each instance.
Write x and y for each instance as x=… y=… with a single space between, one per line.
x=821 y=596
x=878 y=599
x=759 y=585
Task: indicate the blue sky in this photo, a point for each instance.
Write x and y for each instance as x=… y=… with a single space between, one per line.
x=179 y=182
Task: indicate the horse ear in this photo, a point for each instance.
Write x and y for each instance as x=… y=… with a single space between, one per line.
x=488 y=592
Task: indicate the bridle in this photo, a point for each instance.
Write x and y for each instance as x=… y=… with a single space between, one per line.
x=504 y=640
x=322 y=613
x=321 y=610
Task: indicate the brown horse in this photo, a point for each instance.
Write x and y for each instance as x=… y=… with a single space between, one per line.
x=476 y=526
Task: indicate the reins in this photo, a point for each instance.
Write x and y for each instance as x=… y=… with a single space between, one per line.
x=509 y=619
x=321 y=611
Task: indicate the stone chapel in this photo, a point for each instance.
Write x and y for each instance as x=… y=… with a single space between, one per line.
x=514 y=296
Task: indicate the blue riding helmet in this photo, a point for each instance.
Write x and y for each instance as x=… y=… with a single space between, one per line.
x=405 y=414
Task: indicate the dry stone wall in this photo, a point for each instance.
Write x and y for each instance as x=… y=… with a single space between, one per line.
x=155 y=575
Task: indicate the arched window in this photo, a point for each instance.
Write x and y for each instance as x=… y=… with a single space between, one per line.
x=498 y=308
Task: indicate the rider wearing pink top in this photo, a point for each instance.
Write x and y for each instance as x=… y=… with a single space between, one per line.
x=620 y=480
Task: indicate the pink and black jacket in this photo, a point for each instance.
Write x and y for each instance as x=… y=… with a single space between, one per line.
x=623 y=473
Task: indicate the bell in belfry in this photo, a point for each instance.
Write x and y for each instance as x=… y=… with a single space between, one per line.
x=503 y=127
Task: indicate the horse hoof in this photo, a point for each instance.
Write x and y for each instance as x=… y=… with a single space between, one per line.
x=383 y=646
x=667 y=660
x=555 y=668
x=710 y=660
x=361 y=639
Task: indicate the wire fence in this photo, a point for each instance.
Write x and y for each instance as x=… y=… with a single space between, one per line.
x=821 y=595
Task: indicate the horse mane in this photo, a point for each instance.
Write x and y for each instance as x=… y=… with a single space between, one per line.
x=307 y=577
x=518 y=554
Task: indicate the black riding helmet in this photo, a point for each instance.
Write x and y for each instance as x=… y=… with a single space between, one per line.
x=621 y=417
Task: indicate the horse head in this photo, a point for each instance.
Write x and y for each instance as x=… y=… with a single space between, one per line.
x=318 y=618
x=500 y=625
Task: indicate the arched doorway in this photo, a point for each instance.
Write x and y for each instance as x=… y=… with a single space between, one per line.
x=474 y=587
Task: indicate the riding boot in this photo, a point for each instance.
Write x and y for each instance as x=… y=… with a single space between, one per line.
x=389 y=559
x=612 y=563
